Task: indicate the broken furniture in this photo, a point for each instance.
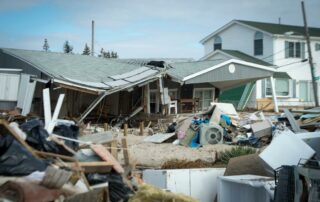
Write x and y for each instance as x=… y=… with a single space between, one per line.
x=189 y=105
x=173 y=104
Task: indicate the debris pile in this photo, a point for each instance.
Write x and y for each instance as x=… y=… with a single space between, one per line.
x=276 y=157
x=270 y=157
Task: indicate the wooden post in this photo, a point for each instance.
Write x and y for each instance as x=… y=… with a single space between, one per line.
x=141 y=127
x=106 y=126
x=125 y=152
x=114 y=149
x=125 y=129
x=274 y=96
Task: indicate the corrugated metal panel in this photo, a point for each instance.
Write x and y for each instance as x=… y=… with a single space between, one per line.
x=141 y=76
x=117 y=83
x=89 y=83
x=9 y=85
x=130 y=74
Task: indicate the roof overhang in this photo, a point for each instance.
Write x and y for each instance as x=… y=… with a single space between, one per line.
x=226 y=63
x=228 y=82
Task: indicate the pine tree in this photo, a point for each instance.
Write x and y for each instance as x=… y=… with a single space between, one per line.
x=86 y=50
x=45 y=46
x=107 y=55
x=101 y=53
x=115 y=55
x=67 y=48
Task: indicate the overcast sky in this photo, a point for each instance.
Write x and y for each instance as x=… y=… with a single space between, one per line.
x=137 y=28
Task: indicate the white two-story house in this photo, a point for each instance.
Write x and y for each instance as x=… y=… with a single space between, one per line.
x=283 y=46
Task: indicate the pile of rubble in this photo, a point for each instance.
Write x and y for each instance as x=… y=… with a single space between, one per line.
x=269 y=157
x=284 y=164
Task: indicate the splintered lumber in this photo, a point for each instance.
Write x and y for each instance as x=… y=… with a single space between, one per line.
x=93 y=167
x=55 y=178
x=107 y=156
x=5 y=129
x=125 y=151
x=47 y=154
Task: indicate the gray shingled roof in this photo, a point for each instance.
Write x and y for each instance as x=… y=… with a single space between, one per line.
x=281 y=28
x=183 y=69
x=246 y=57
x=87 y=70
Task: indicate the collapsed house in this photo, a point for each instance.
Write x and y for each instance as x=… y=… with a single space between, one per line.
x=112 y=87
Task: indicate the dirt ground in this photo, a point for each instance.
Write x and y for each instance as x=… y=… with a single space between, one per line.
x=146 y=154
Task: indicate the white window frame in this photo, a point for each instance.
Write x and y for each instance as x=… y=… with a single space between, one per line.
x=202 y=89
x=280 y=96
x=309 y=91
x=302 y=47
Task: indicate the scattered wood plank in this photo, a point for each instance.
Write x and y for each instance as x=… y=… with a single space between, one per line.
x=125 y=151
x=93 y=167
x=107 y=156
x=55 y=178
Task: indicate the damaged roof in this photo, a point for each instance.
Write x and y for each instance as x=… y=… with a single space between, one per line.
x=85 y=70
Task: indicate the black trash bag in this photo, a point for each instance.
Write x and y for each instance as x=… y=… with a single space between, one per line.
x=118 y=190
x=172 y=128
x=15 y=160
x=37 y=136
x=71 y=131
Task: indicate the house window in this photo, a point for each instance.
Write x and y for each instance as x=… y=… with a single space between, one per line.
x=294 y=49
x=282 y=87
x=305 y=91
x=258 y=43
x=317 y=46
x=217 y=43
x=205 y=96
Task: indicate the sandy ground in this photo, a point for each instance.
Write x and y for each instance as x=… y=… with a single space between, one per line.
x=154 y=155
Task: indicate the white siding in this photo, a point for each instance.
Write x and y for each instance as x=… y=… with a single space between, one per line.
x=9 y=86
x=293 y=66
x=238 y=37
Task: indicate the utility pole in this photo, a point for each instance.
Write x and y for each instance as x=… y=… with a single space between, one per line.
x=314 y=83
x=92 y=38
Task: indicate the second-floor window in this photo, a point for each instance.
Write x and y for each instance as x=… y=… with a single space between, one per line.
x=217 y=43
x=258 y=43
x=294 y=49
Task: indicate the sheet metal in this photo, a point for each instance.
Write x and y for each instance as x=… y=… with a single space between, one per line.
x=130 y=74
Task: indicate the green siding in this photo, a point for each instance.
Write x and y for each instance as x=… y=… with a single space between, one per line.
x=232 y=95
